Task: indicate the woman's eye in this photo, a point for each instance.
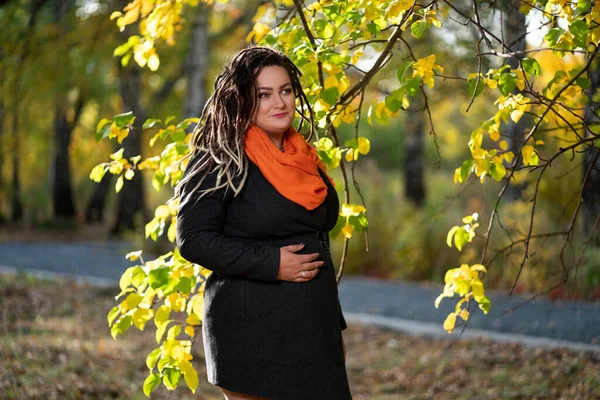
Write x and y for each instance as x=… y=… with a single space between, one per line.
x=263 y=95
x=287 y=91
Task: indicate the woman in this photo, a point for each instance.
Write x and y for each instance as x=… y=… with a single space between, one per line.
x=255 y=208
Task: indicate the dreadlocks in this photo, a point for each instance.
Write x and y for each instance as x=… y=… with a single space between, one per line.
x=217 y=141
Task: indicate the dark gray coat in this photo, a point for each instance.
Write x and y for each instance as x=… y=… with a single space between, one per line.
x=265 y=337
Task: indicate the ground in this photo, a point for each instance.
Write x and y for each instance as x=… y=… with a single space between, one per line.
x=55 y=344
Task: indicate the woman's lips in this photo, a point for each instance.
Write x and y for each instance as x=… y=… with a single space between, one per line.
x=280 y=115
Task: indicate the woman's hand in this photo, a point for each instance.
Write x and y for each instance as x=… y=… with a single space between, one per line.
x=297 y=267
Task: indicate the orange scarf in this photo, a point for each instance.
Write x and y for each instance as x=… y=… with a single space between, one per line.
x=294 y=172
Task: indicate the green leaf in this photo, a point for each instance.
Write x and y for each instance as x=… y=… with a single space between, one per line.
x=451 y=234
x=497 y=171
x=583 y=6
x=138 y=275
x=178 y=136
x=413 y=86
x=185 y=284
x=480 y=86
x=112 y=314
x=402 y=70
x=158 y=277
x=580 y=31
x=553 y=36
x=160 y=330
x=341 y=222
x=531 y=66
x=507 y=83
x=583 y=82
x=150 y=383
x=121 y=326
x=122 y=120
x=394 y=100
x=152 y=358
x=152 y=122
x=171 y=377
x=374 y=28
x=484 y=304
x=465 y=169
x=331 y=95
x=418 y=28
x=104 y=131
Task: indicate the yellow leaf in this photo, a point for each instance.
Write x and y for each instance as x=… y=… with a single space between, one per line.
x=153 y=62
x=162 y=314
x=503 y=144
x=162 y=212
x=129 y=174
x=190 y=375
x=478 y=267
x=132 y=300
x=464 y=314
x=192 y=319
x=508 y=156
x=125 y=279
x=349 y=155
x=119 y=184
x=450 y=322
x=122 y=134
x=141 y=316
x=349 y=210
x=399 y=6
x=438 y=300
x=347 y=230
x=189 y=330
x=364 y=145
x=331 y=81
x=478 y=291
x=529 y=155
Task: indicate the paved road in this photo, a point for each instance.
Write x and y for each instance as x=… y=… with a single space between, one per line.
x=384 y=300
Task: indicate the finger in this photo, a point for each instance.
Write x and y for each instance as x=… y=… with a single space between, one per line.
x=312 y=265
x=306 y=258
x=308 y=275
x=294 y=247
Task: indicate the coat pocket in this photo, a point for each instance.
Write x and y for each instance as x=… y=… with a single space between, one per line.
x=262 y=298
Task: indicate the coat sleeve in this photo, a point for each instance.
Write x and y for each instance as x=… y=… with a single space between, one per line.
x=200 y=237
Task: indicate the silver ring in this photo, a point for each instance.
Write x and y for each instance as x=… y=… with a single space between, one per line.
x=303 y=273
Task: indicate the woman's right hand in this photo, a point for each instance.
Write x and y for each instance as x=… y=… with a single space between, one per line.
x=292 y=266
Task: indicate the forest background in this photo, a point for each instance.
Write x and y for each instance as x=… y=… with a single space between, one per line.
x=59 y=77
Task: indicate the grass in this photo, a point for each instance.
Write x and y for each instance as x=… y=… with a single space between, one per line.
x=55 y=344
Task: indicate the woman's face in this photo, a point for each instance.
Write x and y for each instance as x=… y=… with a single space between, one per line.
x=276 y=101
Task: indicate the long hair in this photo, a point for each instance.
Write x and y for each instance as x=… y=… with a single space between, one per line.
x=218 y=139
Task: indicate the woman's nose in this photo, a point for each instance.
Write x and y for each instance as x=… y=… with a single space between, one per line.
x=279 y=103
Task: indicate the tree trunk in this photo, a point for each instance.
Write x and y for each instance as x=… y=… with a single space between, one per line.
x=130 y=199
x=591 y=159
x=197 y=63
x=62 y=190
x=16 y=204
x=414 y=182
x=94 y=212
x=2 y=142
x=515 y=29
